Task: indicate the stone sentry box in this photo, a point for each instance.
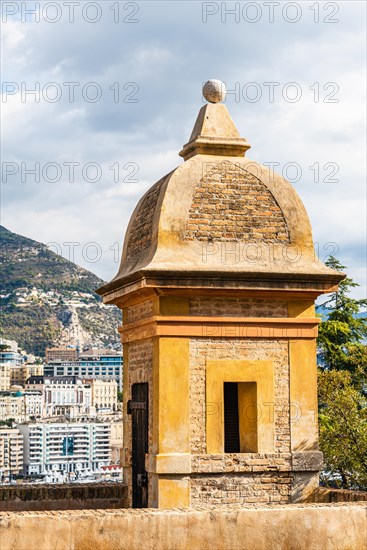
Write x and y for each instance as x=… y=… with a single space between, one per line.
x=217 y=285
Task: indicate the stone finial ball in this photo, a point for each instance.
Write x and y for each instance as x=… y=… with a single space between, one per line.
x=214 y=91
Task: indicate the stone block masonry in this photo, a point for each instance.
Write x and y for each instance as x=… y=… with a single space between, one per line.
x=142 y=237
x=241 y=488
x=237 y=307
x=202 y=350
x=230 y=205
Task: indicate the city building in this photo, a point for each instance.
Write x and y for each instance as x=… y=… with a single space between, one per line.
x=4 y=376
x=63 y=395
x=65 y=447
x=21 y=405
x=13 y=360
x=16 y=364
x=98 y=364
x=30 y=369
x=33 y=404
x=11 y=406
x=11 y=453
x=116 y=441
x=61 y=354
x=104 y=394
x=20 y=374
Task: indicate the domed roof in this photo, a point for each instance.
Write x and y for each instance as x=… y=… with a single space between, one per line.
x=219 y=214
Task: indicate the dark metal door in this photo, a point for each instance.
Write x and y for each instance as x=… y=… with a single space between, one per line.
x=138 y=408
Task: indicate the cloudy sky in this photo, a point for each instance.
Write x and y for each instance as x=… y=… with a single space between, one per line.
x=116 y=90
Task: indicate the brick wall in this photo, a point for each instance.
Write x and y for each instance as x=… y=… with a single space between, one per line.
x=205 y=349
x=240 y=488
x=236 y=478
x=139 y=311
x=237 y=307
x=141 y=234
x=230 y=204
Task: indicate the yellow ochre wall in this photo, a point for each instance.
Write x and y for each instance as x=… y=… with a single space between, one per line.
x=169 y=461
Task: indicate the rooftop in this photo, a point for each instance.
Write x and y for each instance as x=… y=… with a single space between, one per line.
x=220 y=216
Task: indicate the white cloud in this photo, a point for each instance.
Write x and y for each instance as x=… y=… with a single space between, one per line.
x=168 y=54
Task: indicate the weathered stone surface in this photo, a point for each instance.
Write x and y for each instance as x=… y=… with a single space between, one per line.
x=230 y=204
x=326 y=494
x=276 y=527
x=240 y=488
x=140 y=238
x=304 y=485
x=214 y=91
x=237 y=307
x=139 y=311
x=244 y=463
x=307 y=461
x=27 y=497
x=202 y=350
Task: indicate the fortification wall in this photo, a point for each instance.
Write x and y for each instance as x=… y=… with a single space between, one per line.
x=291 y=527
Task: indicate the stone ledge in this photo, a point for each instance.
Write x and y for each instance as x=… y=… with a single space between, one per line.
x=287 y=527
x=240 y=463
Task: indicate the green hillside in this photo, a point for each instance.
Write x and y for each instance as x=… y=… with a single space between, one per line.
x=47 y=300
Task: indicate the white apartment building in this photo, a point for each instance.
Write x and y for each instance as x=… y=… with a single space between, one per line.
x=21 y=405
x=63 y=395
x=11 y=453
x=33 y=404
x=65 y=447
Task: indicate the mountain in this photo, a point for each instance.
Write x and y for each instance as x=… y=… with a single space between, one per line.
x=47 y=300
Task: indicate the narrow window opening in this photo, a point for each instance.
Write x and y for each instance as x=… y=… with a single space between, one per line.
x=240 y=417
x=231 y=418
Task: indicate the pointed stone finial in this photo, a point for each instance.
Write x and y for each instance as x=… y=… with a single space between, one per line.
x=214 y=132
x=214 y=91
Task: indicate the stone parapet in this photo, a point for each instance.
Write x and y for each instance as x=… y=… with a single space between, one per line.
x=279 y=527
x=72 y=496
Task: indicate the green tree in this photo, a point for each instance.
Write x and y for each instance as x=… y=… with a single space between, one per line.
x=4 y=347
x=342 y=332
x=343 y=430
x=8 y=422
x=342 y=387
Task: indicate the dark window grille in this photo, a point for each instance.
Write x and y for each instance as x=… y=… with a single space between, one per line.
x=231 y=418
